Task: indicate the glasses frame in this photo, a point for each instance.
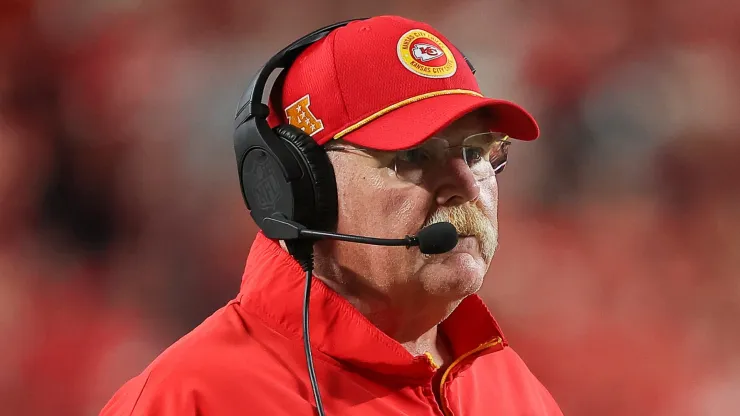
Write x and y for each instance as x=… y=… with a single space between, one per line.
x=379 y=155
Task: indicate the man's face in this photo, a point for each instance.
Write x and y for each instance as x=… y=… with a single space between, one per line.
x=374 y=200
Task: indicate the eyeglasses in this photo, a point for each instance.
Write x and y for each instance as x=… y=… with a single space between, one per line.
x=485 y=154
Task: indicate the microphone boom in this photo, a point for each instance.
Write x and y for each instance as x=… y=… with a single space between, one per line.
x=437 y=238
x=407 y=241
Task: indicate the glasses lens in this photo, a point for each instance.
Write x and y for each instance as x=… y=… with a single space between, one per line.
x=485 y=153
x=499 y=154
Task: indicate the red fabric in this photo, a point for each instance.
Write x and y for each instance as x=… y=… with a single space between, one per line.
x=358 y=70
x=247 y=358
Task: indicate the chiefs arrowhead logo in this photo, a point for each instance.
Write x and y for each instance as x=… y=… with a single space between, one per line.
x=299 y=114
x=425 y=54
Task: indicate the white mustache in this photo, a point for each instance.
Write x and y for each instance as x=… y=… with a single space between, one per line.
x=469 y=220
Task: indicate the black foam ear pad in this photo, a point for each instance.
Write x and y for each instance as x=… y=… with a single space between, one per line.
x=321 y=212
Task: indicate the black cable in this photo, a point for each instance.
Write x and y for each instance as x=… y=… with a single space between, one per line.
x=302 y=251
x=307 y=345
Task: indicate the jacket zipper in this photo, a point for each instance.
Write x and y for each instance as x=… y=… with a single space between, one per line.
x=459 y=359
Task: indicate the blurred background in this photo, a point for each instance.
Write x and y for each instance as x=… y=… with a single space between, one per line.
x=122 y=226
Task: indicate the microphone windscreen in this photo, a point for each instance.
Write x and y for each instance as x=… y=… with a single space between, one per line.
x=437 y=238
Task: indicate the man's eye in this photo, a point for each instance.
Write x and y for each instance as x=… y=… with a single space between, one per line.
x=473 y=155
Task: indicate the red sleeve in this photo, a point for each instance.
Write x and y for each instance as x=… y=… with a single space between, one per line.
x=140 y=396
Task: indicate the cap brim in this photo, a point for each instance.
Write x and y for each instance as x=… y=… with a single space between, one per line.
x=411 y=124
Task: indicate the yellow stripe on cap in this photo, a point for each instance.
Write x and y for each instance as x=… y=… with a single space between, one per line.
x=400 y=104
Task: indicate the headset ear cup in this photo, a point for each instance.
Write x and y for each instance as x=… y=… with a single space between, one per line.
x=321 y=213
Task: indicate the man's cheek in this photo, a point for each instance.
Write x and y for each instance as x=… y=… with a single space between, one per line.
x=488 y=208
x=407 y=208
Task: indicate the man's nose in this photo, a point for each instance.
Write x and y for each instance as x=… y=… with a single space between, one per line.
x=455 y=183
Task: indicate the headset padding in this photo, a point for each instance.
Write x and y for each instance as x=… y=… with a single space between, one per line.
x=322 y=212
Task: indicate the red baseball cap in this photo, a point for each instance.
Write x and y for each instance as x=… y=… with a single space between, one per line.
x=386 y=83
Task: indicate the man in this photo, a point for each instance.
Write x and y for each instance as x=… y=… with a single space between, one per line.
x=393 y=331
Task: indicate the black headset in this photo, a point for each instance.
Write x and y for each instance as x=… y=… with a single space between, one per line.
x=283 y=172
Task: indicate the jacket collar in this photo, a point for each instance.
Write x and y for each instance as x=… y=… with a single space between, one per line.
x=272 y=288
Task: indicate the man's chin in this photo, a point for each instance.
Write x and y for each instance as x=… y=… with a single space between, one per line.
x=456 y=276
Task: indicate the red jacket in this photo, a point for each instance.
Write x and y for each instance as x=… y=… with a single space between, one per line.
x=247 y=359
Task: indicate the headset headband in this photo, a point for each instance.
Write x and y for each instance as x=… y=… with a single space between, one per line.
x=251 y=104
